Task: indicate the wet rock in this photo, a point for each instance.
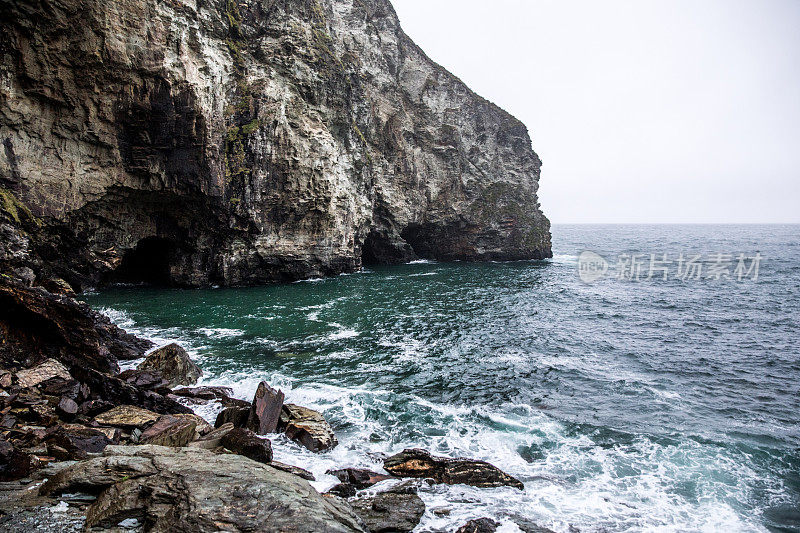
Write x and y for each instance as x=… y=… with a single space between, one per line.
x=238 y=416
x=393 y=511
x=6 y=379
x=246 y=443
x=112 y=389
x=307 y=427
x=127 y=416
x=69 y=442
x=174 y=364
x=188 y=489
x=58 y=286
x=343 y=490
x=265 y=411
x=360 y=478
x=171 y=431
x=49 y=369
x=421 y=464
x=479 y=525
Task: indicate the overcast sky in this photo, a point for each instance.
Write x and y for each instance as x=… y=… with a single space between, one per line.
x=642 y=110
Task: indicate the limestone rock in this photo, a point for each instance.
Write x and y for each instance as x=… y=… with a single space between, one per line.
x=418 y=463
x=169 y=430
x=174 y=364
x=307 y=427
x=390 y=511
x=188 y=489
x=265 y=411
x=127 y=416
x=246 y=443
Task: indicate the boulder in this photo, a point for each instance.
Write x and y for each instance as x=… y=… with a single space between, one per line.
x=396 y=510
x=265 y=411
x=30 y=377
x=246 y=443
x=127 y=416
x=68 y=442
x=360 y=478
x=67 y=407
x=170 y=430
x=189 y=489
x=174 y=364
x=479 y=525
x=238 y=416
x=307 y=427
x=421 y=464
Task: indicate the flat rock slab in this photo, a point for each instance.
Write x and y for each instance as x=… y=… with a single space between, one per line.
x=174 y=364
x=127 y=416
x=49 y=369
x=307 y=427
x=417 y=463
x=190 y=489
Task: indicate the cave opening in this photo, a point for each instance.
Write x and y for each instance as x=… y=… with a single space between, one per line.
x=381 y=249
x=148 y=263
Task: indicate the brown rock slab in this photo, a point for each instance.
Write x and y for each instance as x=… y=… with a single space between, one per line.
x=238 y=416
x=307 y=427
x=393 y=511
x=76 y=441
x=174 y=364
x=265 y=411
x=30 y=377
x=419 y=463
x=360 y=478
x=246 y=443
x=171 y=431
x=127 y=416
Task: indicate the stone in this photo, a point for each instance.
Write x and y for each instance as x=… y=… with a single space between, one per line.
x=145 y=379
x=15 y=464
x=189 y=489
x=204 y=393
x=265 y=411
x=360 y=478
x=127 y=416
x=201 y=426
x=42 y=372
x=67 y=407
x=294 y=470
x=479 y=525
x=212 y=439
x=246 y=443
x=417 y=463
x=238 y=416
x=76 y=442
x=343 y=490
x=390 y=511
x=169 y=430
x=307 y=427
x=174 y=364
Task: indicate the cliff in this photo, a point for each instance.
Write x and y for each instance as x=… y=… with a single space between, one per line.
x=223 y=142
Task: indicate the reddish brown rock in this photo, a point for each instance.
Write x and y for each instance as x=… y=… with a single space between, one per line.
x=76 y=441
x=171 y=431
x=265 y=411
x=238 y=416
x=418 y=463
x=360 y=478
x=245 y=442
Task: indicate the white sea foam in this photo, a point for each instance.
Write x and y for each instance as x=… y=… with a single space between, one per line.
x=220 y=332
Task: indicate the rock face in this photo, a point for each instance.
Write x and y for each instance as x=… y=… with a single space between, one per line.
x=232 y=142
x=190 y=489
x=174 y=365
x=418 y=463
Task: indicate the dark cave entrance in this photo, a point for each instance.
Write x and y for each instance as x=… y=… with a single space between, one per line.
x=148 y=263
x=380 y=249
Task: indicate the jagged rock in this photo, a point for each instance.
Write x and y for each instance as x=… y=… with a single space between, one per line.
x=205 y=393
x=201 y=426
x=393 y=511
x=343 y=490
x=170 y=431
x=360 y=478
x=67 y=407
x=75 y=442
x=112 y=389
x=49 y=369
x=421 y=464
x=68 y=388
x=265 y=411
x=145 y=379
x=479 y=525
x=174 y=364
x=58 y=286
x=295 y=470
x=398 y=158
x=127 y=416
x=212 y=439
x=238 y=416
x=246 y=443
x=15 y=464
x=307 y=427
x=5 y=379
x=188 y=489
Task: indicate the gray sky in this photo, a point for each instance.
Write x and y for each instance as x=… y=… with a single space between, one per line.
x=642 y=110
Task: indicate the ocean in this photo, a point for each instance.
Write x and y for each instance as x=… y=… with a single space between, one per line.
x=623 y=400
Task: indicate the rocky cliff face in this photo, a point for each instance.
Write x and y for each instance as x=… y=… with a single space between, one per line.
x=198 y=142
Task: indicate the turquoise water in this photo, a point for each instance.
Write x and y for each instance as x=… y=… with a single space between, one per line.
x=622 y=405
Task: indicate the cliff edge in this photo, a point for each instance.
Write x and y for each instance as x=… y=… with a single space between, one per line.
x=240 y=142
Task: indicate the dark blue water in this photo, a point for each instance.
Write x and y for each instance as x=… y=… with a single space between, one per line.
x=623 y=405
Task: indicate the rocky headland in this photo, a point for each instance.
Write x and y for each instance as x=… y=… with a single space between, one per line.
x=222 y=143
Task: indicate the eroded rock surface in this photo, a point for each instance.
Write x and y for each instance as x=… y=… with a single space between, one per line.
x=189 y=489
x=307 y=427
x=174 y=365
x=232 y=142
